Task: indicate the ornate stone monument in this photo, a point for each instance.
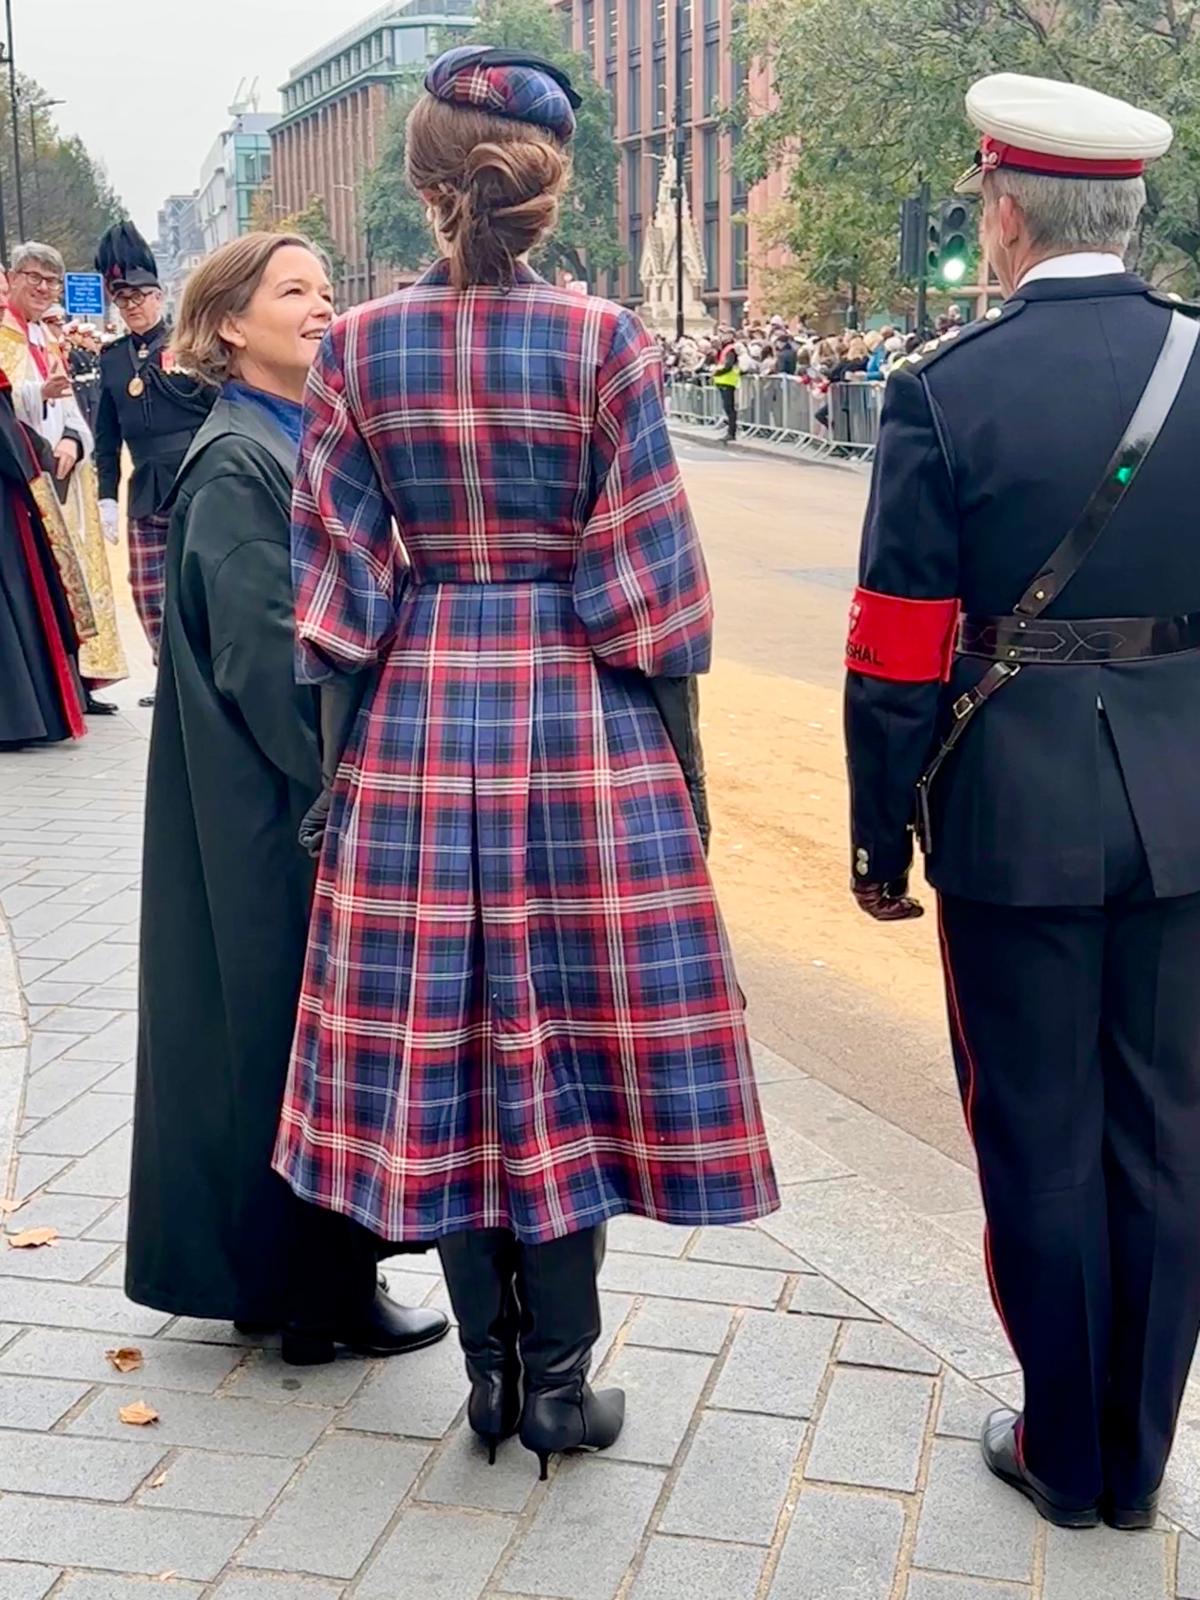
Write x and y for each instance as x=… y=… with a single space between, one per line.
x=657 y=309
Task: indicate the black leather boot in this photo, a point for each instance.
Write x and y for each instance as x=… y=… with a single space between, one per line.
x=1003 y=1457
x=560 y=1323
x=381 y=1328
x=481 y=1269
x=1134 y=1517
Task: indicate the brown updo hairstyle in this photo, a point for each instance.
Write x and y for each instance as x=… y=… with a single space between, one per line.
x=493 y=186
x=223 y=286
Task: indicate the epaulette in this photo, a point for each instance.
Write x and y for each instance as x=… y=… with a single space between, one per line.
x=1174 y=302
x=117 y=344
x=954 y=339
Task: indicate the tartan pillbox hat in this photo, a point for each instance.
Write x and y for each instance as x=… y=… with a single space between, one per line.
x=506 y=83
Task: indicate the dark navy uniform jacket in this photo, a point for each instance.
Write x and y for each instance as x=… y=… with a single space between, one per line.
x=158 y=425
x=989 y=450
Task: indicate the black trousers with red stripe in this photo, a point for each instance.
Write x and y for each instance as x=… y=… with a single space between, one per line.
x=1076 y=1036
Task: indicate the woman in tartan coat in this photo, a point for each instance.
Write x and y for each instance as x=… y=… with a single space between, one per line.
x=519 y=1015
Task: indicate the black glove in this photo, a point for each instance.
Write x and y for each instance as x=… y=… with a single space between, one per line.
x=888 y=902
x=340 y=700
x=678 y=702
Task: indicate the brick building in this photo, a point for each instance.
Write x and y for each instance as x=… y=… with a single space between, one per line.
x=334 y=107
x=634 y=47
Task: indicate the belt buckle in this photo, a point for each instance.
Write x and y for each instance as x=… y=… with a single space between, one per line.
x=962 y=706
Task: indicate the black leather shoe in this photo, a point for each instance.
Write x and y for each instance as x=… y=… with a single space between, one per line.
x=387 y=1329
x=98 y=708
x=1003 y=1458
x=1135 y=1518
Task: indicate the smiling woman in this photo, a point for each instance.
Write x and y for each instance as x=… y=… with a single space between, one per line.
x=233 y=768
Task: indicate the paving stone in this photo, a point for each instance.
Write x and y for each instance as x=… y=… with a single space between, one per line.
x=96 y=888
x=342 y=1501
x=744 y=1247
x=663 y=1389
x=35 y=1171
x=437 y=1555
x=461 y=1476
x=966 y=1226
x=114 y=1224
x=104 y=1172
x=817 y=1297
x=874 y=1344
x=937 y=1586
x=56 y=1353
x=692 y=1280
x=642 y=1236
x=1189 y=1568
x=681 y=1325
x=797 y=1159
x=264 y=1376
x=614 y=1311
x=209 y=1422
x=586 y=1531
x=735 y=1478
x=70 y=1305
x=418 y=1397
x=36 y=1402
x=269 y=1586
x=110 y=1586
x=78 y=1128
x=43 y=917
x=86 y=1469
x=73 y=1533
x=964 y=1408
x=231 y=1486
x=970 y=1522
x=64 y=942
x=113 y=1275
x=199 y=1330
x=46 y=1047
x=20 y=1581
x=65 y=1261
x=47 y=996
x=840 y=1547
x=871 y=1429
x=71 y=1214
x=55 y=1086
x=122 y=1080
x=776 y=1364
x=1104 y=1566
x=673 y=1568
x=80 y=1020
x=117 y=1041
x=99 y=965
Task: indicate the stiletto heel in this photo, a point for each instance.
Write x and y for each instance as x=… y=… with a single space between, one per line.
x=493 y=1444
x=480 y=1269
x=544 y=1463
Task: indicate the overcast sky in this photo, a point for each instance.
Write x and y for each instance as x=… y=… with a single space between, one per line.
x=149 y=99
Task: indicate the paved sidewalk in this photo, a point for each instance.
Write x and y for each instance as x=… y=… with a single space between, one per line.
x=804 y=1398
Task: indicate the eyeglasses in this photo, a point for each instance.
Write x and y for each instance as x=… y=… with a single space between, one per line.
x=132 y=298
x=39 y=280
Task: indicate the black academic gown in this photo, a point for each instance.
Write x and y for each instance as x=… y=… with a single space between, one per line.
x=234 y=765
x=38 y=644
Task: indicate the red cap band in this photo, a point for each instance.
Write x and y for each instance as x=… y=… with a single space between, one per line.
x=905 y=641
x=995 y=153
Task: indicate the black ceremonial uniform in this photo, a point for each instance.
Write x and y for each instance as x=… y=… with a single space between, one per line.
x=1065 y=837
x=158 y=422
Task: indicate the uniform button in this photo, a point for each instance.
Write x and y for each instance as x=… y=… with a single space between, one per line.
x=992 y=313
x=862 y=863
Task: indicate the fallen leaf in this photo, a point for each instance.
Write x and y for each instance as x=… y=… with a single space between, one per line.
x=126 y=1359
x=7 y=1207
x=157 y=1483
x=163 y=1576
x=32 y=1238
x=138 y=1415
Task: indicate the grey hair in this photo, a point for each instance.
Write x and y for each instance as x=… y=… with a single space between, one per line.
x=1067 y=214
x=44 y=255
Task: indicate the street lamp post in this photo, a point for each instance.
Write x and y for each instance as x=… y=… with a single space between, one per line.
x=16 y=125
x=43 y=105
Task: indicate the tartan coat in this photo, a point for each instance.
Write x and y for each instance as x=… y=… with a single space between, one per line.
x=519 y=1007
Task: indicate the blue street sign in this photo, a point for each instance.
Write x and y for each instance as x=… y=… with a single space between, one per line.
x=84 y=294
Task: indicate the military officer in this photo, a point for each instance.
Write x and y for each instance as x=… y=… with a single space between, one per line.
x=145 y=404
x=1024 y=684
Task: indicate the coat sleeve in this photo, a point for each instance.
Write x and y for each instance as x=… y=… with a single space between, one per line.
x=640 y=587
x=248 y=599
x=108 y=442
x=902 y=629
x=347 y=564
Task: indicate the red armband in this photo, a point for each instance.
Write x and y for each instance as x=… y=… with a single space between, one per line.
x=905 y=641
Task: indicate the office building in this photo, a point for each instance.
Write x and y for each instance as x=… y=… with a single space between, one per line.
x=237 y=166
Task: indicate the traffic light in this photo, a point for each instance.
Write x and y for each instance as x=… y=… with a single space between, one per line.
x=912 y=228
x=949 y=241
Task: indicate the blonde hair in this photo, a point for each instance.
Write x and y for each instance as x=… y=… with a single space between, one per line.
x=223 y=286
x=493 y=186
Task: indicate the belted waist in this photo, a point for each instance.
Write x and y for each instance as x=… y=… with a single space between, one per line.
x=1053 y=641
x=424 y=581
x=161 y=446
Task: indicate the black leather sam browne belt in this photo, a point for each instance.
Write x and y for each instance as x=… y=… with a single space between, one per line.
x=1025 y=637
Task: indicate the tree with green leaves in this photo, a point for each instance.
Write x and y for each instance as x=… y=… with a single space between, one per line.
x=68 y=200
x=586 y=241
x=867 y=98
x=312 y=223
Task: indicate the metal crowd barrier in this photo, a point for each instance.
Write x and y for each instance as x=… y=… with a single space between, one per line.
x=782 y=410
